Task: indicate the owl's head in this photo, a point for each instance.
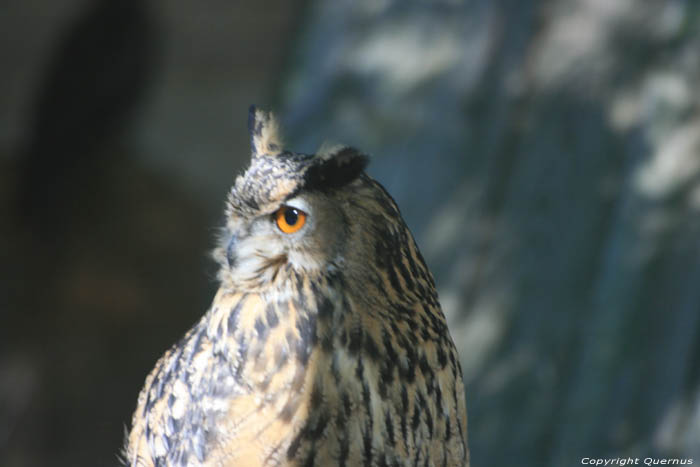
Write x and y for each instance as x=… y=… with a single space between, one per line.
x=301 y=214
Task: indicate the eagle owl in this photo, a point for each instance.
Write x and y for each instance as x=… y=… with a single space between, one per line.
x=325 y=344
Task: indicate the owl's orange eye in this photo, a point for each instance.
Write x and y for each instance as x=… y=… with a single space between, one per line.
x=289 y=219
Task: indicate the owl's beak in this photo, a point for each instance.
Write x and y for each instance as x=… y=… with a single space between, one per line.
x=231 y=251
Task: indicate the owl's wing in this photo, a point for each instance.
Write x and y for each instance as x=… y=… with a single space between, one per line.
x=187 y=391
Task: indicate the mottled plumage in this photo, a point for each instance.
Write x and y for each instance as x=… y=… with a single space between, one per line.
x=326 y=346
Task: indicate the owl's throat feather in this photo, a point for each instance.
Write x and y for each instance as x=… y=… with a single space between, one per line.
x=269 y=344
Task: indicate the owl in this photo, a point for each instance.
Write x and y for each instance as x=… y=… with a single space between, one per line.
x=325 y=344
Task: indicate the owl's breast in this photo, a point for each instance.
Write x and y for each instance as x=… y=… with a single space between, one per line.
x=310 y=379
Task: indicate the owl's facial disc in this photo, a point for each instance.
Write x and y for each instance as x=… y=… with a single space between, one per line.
x=264 y=250
x=285 y=213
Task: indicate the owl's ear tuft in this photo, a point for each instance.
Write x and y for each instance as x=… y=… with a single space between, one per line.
x=335 y=169
x=264 y=132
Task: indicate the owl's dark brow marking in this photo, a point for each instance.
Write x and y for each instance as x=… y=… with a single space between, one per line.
x=335 y=172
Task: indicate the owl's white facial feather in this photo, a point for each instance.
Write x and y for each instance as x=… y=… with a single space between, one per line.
x=301 y=204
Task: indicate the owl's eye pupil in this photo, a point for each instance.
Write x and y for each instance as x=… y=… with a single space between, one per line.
x=291 y=216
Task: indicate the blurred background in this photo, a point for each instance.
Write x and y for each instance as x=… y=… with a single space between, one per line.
x=546 y=155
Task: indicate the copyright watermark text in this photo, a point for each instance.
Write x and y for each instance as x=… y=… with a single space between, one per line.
x=622 y=461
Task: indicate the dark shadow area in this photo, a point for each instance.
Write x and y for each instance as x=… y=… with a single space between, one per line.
x=105 y=255
x=99 y=245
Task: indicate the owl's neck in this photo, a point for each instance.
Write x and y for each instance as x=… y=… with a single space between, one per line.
x=268 y=339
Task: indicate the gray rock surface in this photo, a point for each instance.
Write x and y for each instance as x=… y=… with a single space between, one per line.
x=547 y=157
